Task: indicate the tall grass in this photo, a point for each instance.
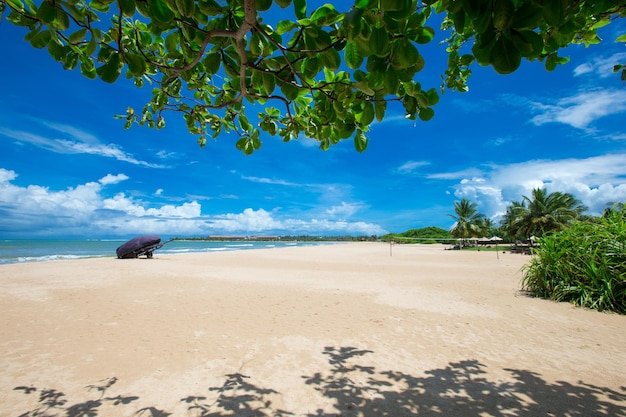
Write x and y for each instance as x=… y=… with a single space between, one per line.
x=584 y=264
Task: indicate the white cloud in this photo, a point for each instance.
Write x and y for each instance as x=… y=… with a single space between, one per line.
x=113 y=179
x=263 y=180
x=86 y=210
x=343 y=211
x=79 y=143
x=583 y=69
x=249 y=220
x=6 y=176
x=469 y=172
x=72 y=131
x=581 y=109
x=595 y=181
x=602 y=66
x=411 y=166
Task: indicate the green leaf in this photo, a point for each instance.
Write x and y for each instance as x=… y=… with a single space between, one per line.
x=390 y=81
x=352 y=57
x=78 y=36
x=244 y=123
x=398 y=10
x=528 y=16
x=364 y=87
x=41 y=39
x=379 y=42
x=360 y=141
x=380 y=107
x=482 y=51
x=128 y=7
x=62 y=20
x=186 y=8
x=136 y=64
x=503 y=11
x=425 y=35
x=311 y=66
x=57 y=51
x=46 y=12
x=331 y=59
x=110 y=71
x=283 y=3
x=505 y=57
x=269 y=83
x=407 y=54
x=325 y=15
x=535 y=40
x=433 y=97
x=392 y=5
x=426 y=113
x=366 y=117
x=263 y=5
x=90 y=49
x=160 y=11
x=285 y=26
x=621 y=38
x=16 y=4
x=299 y=8
x=256 y=43
x=71 y=60
x=212 y=63
x=554 y=11
x=208 y=7
x=87 y=68
x=482 y=22
x=290 y=91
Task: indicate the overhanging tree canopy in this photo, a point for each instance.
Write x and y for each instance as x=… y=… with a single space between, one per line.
x=325 y=73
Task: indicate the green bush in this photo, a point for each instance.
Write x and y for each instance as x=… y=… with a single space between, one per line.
x=584 y=264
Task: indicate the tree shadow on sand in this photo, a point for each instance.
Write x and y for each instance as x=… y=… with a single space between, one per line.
x=460 y=389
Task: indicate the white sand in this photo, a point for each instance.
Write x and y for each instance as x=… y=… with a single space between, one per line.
x=341 y=330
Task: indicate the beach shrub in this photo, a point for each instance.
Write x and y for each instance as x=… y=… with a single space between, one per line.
x=584 y=264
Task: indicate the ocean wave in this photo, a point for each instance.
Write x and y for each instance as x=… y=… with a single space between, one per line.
x=47 y=258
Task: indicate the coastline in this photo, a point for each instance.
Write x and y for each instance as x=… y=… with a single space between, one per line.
x=346 y=329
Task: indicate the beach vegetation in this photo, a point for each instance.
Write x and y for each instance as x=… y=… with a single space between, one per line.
x=292 y=69
x=541 y=214
x=430 y=234
x=584 y=263
x=468 y=221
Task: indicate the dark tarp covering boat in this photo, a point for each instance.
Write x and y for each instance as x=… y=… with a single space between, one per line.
x=139 y=246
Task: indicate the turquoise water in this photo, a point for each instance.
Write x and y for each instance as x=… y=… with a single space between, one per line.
x=19 y=251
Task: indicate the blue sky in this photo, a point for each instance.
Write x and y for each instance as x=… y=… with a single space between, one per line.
x=69 y=169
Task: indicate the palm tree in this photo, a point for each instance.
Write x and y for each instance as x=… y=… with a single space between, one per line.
x=468 y=221
x=508 y=225
x=487 y=228
x=543 y=213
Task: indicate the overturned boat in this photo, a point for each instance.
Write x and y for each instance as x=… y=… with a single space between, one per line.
x=139 y=246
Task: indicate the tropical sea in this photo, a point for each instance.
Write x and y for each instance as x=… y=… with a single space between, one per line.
x=39 y=250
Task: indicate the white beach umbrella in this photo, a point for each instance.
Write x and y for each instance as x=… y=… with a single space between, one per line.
x=496 y=239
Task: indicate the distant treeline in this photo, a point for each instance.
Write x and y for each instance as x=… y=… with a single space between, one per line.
x=429 y=234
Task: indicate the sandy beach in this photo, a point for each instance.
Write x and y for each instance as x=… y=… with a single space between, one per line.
x=359 y=329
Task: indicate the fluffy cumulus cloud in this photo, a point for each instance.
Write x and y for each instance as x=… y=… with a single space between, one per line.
x=88 y=210
x=596 y=181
